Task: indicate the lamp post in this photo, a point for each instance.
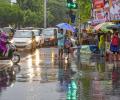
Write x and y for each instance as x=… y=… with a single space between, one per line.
x=45 y=13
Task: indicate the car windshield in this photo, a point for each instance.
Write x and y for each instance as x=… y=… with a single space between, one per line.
x=47 y=32
x=36 y=32
x=23 y=34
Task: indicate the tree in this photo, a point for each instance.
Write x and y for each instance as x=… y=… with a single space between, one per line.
x=9 y=13
x=58 y=10
x=33 y=12
x=84 y=10
x=33 y=5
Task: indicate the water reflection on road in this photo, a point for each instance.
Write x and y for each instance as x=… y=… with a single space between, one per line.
x=99 y=79
x=41 y=76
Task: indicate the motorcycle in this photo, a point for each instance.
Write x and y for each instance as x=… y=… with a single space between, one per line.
x=12 y=54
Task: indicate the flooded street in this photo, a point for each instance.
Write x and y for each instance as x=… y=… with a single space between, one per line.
x=41 y=76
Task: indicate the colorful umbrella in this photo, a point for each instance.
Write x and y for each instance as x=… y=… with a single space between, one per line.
x=66 y=26
x=103 y=27
x=98 y=26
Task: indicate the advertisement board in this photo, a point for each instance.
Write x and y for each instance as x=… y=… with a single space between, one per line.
x=114 y=9
x=105 y=11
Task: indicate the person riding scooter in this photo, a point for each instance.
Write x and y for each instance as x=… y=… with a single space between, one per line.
x=3 y=42
x=8 y=50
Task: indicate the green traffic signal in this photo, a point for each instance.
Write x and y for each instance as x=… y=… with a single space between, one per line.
x=72 y=5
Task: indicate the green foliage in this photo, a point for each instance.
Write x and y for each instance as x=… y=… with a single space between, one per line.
x=84 y=10
x=9 y=14
x=33 y=5
x=58 y=9
x=24 y=12
x=31 y=12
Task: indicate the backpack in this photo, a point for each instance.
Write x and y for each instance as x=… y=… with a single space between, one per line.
x=115 y=41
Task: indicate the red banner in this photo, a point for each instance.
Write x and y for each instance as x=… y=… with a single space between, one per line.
x=98 y=4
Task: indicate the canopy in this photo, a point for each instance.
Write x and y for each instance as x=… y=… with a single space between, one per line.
x=103 y=27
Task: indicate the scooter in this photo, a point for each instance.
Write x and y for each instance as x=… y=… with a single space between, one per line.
x=12 y=54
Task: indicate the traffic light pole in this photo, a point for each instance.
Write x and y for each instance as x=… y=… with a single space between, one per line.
x=45 y=13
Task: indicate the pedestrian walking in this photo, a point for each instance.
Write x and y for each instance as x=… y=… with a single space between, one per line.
x=102 y=45
x=60 y=38
x=114 y=46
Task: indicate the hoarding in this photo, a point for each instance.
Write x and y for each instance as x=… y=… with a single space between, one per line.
x=106 y=10
x=114 y=9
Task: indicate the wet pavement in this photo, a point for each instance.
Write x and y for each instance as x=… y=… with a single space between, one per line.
x=41 y=76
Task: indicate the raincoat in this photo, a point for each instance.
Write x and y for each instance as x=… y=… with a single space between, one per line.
x=101 y=45
x=3 y=40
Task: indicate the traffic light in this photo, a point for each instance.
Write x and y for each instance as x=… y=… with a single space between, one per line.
x=72 y=91
x=71 y=4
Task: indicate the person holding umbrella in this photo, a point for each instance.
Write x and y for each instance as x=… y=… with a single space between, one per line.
x=60 y=37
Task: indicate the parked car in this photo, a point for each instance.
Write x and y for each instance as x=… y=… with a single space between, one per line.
x=25 y=39
x=39 y=29
x=50 y=36
x=39 y=38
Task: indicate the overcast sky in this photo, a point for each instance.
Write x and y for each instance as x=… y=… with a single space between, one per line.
x=13 y=0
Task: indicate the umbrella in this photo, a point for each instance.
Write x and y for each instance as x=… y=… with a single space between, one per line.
x=103 y=27
x=98 y=26
x=117 y=26
x=66 y=26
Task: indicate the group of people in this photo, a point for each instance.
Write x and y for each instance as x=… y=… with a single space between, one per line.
x=114 y=44
x=64 y=44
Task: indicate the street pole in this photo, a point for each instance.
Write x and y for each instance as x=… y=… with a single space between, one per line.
x=79 y=31
x=45 y=13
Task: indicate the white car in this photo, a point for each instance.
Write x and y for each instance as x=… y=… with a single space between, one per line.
x=24 y=39
x=39 y=37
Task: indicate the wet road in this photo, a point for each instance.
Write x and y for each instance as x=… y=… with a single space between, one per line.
x=41 y=76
